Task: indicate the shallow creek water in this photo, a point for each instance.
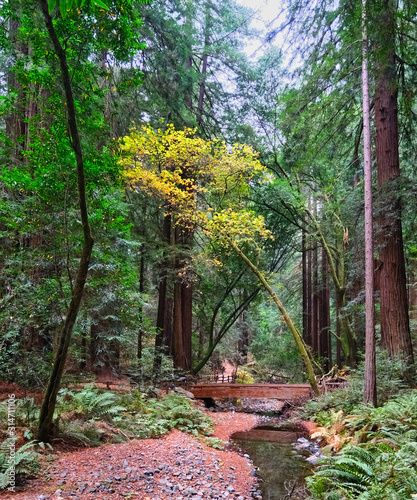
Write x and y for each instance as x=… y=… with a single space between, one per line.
x=272 y=451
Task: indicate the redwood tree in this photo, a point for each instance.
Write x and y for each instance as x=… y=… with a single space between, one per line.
x=395 y=329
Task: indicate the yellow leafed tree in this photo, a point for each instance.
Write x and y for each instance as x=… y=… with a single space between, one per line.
x=201 y=186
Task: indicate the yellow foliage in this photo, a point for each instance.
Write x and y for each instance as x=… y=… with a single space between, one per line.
x=201 y=183
x=244 y=377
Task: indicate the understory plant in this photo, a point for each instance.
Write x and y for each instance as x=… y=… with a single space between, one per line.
x=377 y=472
x=88 y=403
x=350 y=399
x=173 y=411
x=377 y=447
x=25 y=462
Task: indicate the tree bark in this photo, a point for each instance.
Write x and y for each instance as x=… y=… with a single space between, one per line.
x=16 y=127
x=395 y=329
x=370 y=392
x=324 y=324
x=49 y=401
x=161 y=316
x=182 y=318
x=305 y=272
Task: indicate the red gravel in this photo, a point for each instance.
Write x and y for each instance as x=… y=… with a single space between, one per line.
x=176 y=466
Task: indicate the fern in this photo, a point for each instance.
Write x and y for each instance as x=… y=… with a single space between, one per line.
x=25 y=461
x=376 y=473
x=88 y=403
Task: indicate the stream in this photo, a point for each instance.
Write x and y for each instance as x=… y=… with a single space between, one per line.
x=280 y=457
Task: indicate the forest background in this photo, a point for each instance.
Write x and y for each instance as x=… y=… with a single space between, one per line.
x=116 y=266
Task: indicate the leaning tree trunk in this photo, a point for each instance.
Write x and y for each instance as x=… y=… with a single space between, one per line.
x=395 y=329
x=303 y=349
x=49 y=400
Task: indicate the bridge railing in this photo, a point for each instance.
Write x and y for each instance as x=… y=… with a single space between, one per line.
x=326 y=387
x=217 y=378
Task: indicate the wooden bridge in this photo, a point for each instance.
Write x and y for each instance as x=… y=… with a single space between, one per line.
x=283 y=392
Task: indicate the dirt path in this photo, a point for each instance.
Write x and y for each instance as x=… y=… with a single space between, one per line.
x=177 y=466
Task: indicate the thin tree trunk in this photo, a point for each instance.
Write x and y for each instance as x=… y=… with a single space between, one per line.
x=141 y=291
x=205 y=63
x=315 y=301
x=49 y=401
x=370 y=393
x=305 y=270
x=309 y=292
x=16 y=127
x=305 y=355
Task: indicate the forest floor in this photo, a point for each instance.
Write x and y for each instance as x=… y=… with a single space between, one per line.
x=176 y=466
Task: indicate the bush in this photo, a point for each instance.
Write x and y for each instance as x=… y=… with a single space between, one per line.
x=244 y=377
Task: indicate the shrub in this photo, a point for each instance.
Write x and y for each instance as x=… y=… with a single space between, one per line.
x=244 y=377
x=214 y=442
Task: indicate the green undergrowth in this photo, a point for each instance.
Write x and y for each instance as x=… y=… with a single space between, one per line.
x=90 y=418
x=374 y=449
x=16 y=464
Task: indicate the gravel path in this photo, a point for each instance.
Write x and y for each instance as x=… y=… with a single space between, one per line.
x=176 y=466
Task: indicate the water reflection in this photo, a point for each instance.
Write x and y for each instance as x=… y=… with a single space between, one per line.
x=279 y=467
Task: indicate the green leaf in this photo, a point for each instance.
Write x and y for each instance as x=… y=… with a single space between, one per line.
x=51 y=5
x=63 y=8
x=99 y=3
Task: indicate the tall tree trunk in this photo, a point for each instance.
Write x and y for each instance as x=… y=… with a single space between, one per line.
x=16 y=127
x=310 y=292
x=187 y=321
x=178 y=341
x=202 y=92
x=370 y=393
x=49 y=400
x=305 y=270
x=338 y=334
x=324 y=324
x=182 y=318
x=141 y=317
x=161 y=316
x=395 y=329
x=315 y=293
